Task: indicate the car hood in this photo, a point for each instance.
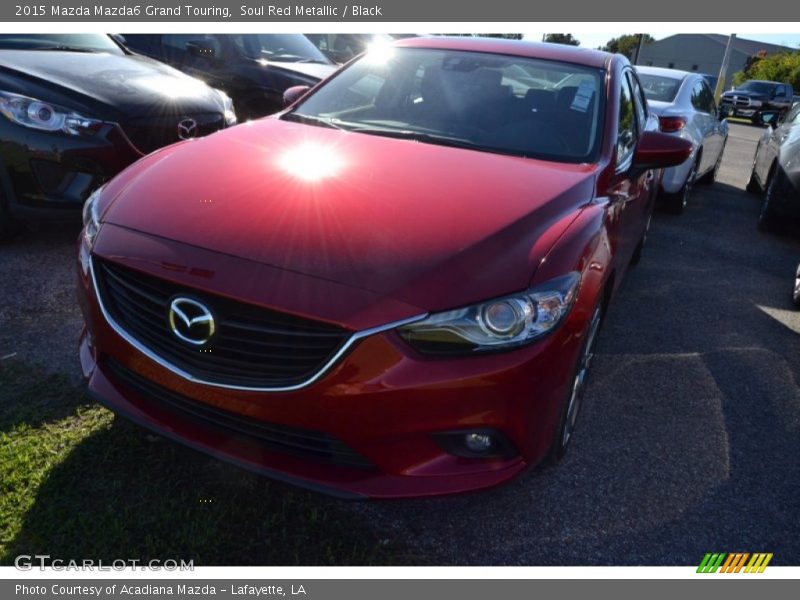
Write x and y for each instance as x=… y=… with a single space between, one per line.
x=746 y=94
x=432 y=226
x=110 y=86
x=316 y=70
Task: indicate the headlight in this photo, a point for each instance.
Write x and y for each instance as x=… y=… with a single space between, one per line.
x=44 y=116
x=497 y=324
x=91 y=217
x=230 y=113
x=756 y=103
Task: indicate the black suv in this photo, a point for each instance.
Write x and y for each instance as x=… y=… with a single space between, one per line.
x=253 y=69
x=75 y=109
x=754 y=98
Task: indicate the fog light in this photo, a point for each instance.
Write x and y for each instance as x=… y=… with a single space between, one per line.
x=478 y=442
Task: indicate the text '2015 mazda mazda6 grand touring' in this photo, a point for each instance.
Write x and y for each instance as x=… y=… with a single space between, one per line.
x=392 y=288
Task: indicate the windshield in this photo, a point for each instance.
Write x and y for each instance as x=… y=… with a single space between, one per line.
x=290 y=47
x=504 y=104
x=660 y=89
x=760 y=87
x=76 y=42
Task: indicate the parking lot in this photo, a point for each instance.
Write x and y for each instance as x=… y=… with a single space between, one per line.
x=690 y=434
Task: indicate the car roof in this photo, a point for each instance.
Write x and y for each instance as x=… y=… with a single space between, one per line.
x=557 y=52
x=663 y=72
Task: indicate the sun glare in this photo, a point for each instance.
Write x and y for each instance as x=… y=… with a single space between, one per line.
x=311 y=162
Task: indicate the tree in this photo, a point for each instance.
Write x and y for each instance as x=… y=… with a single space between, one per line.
x=783 y=67
x=562 y=38
x=626 y=44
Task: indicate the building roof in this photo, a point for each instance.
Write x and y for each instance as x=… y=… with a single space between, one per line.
x=743 y=45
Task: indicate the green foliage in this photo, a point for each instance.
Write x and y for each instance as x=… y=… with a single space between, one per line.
x=783 y=67
x=562 y=38
x=626 y=44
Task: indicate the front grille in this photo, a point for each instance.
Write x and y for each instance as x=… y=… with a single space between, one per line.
x=252 y=346
x=278 y=438
x=151 y=133
x=737 y=101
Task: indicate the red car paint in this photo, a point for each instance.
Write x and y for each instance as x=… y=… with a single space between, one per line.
x=391 y=230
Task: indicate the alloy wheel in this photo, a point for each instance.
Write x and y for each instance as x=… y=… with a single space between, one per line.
x=585 y=361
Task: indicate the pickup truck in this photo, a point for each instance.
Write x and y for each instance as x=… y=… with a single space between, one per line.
x=751 y=99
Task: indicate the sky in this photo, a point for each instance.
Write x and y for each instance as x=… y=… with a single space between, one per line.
x=593 y=40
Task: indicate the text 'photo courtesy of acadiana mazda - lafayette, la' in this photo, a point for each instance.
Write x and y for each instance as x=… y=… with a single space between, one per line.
x=394 y=287
x=75 y=109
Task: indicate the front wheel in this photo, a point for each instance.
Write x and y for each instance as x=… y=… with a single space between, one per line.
x=569 y=412
x=711 y=176
x=675 y=203
x=767 y=217
x=7 y=225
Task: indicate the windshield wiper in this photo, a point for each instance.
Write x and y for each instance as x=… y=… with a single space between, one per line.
x=63 y=48
x=418 y=136
x=441 y=140
x=321 y=121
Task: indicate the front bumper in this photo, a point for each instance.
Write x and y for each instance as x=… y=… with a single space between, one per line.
x=50 y=175
x=382 y=400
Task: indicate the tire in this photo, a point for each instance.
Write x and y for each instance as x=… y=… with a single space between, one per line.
x=675 y=203
x=637 y=253
x=752 y=183
x=572 y=403
x=8 y=227
x=767 y=218
x=711 y=176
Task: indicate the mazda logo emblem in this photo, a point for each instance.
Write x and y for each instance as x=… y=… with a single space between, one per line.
x=190 y=321
x=187 y=129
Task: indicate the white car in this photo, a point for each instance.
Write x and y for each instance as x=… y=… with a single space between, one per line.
x=685 y=107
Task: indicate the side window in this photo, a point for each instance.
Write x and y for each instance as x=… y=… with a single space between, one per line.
x=786 y=92
x=639 y=101
x=708 y=102
x=697 y=97
x=626 y=132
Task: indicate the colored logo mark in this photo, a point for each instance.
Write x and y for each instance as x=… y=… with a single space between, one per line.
x=734 y=562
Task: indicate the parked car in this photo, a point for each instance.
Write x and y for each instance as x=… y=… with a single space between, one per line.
x=776 y=169
x=253 y=69
x=341 y=47
x=754 y=98
x=685 y=107
x=75 y=109
x=394 y=288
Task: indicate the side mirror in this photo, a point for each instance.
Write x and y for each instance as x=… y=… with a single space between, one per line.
x=657 y=150
x=294 y=93
x=201 y=49
x=770 y=119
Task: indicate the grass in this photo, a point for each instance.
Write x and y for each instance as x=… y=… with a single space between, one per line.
x=77 y=483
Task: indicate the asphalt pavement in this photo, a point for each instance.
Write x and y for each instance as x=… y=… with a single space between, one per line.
x=689 y=437
x=690 y=432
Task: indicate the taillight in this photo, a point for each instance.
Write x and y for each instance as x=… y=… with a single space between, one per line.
x=671 y=124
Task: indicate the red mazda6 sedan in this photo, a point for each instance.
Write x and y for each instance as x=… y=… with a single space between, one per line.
x=394 y=287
